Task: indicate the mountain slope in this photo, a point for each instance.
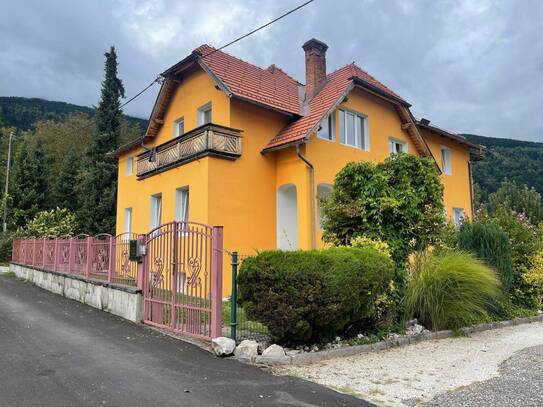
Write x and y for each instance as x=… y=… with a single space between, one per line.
x=22 y=112
x=516 y=160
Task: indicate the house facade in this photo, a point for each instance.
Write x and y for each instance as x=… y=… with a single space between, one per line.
x=253 y=150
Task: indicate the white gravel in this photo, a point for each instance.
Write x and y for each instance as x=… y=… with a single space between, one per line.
x=414 y=374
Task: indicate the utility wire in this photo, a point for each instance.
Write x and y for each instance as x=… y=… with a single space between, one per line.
x=158 y=78
x=260 y=28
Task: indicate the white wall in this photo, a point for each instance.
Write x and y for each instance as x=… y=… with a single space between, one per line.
x=287 y=218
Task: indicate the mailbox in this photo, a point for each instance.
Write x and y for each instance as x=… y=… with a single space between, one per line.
x=136 y=250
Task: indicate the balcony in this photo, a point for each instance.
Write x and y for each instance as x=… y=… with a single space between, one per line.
x=206 y=140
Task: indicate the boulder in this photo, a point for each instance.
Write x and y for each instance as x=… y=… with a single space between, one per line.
x=274 y=351
x=223 y=346
x=246 y=349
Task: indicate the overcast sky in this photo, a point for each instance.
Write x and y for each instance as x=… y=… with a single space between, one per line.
x=470 y=66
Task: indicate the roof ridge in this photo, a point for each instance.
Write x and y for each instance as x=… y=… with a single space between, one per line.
x=275 y=67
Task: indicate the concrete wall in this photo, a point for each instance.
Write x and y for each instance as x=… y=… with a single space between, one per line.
x=126 y=302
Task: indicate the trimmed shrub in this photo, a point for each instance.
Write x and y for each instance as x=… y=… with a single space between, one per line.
x=450 y=289
x=309 y=296
x=530 y=291
x=491 y=244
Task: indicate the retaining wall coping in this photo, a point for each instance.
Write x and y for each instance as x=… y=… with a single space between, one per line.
x=116 y=286
x=346 y=351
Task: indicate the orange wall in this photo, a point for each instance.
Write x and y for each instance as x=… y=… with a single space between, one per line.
x=457 y=189
x=240 y=194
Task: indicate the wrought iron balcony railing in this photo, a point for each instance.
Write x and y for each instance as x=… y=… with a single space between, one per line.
x=209 y=139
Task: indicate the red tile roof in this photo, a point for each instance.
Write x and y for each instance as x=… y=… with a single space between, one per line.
x=338 y=83
x=271 y=87
x=275 y=88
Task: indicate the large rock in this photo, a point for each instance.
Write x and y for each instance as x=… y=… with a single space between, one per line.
x=246 y=349
x=274 y=351
x=223 y=346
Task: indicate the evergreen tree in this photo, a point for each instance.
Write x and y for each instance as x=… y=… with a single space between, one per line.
x=66 y=187
x=97 y=213
x=29 y=182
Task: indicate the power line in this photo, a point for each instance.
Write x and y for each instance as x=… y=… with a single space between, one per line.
x=260 y=28
x=158 y=78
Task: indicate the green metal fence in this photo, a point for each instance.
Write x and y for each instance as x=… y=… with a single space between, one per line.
x=241 y=326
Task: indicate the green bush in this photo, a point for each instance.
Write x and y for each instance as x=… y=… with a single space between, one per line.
x=450 y=289
x=309 y=296
x=56 y=222
x=529 y=293
x=6 y=243
x=398 y=201
x=491 y=244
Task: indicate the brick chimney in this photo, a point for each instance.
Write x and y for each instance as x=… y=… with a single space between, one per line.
x=315 y=66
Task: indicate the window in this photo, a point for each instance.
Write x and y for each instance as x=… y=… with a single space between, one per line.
x=327 y=128
x=323 y=192
x=446 y=164
x=156 y=210
x=204 y=114
x=287 y=218
x=353 y=130
x=129 y=165
x=458 y=216
x=179 y=127
x=128 y=220
x=182 y=204
x=397 y=146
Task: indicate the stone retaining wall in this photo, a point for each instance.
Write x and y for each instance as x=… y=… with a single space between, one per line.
x=124 y=301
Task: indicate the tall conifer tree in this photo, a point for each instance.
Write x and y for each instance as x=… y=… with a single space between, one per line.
x=29 y=182
x=66 y=188
x=97 y=213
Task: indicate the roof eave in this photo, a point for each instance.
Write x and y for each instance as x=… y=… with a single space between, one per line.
x=365 y=84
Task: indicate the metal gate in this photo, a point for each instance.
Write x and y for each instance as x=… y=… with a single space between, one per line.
x=183 y=278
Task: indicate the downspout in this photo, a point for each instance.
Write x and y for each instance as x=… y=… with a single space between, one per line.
x=471 y=192
x=312 y=194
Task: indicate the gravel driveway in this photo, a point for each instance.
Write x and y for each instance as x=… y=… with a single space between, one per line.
x=442 y=372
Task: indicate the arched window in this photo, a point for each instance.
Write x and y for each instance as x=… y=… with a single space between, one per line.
x=287 y=218
x=323 y=192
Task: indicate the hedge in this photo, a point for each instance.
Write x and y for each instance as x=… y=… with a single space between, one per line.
x=310 y=296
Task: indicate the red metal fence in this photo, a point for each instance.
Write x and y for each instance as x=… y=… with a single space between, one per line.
x=180 y=273
x=102 y=257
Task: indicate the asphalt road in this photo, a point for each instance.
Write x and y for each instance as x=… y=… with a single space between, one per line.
x=58 y=352
x=520 y=383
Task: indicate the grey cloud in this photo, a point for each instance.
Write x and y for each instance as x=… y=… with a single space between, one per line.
x=469 y=66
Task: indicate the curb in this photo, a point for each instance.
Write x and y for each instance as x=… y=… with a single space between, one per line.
x=313 y=357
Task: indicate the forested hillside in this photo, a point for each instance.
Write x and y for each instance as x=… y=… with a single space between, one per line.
x=515 y=160
x=22 y=113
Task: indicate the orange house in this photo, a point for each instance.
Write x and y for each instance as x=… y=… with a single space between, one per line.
x=252 y=149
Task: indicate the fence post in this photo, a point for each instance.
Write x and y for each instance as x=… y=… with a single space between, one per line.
x=43 y=257
x=140 y=269
x=34 y=246
x=111 y=259
x=71 y=256
x=234 y=297
x=55 y=256
x=216 y=281
x=89 y=256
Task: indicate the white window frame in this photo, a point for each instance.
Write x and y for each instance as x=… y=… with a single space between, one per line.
x=202 y=113
x=446 y=167
x=330 y=121
x=130 y=166
x=155 y=211
x=323 y=191
x=182 y=201
x=127 y=220
x=458 y=216
x=176 y=132
x=361 y=141
x=393 y=142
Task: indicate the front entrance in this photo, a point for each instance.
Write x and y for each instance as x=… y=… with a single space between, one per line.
x=183 y=278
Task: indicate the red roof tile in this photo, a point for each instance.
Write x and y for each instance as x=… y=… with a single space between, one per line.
x=276 y=89
x=337 y=84
x=271 y=86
